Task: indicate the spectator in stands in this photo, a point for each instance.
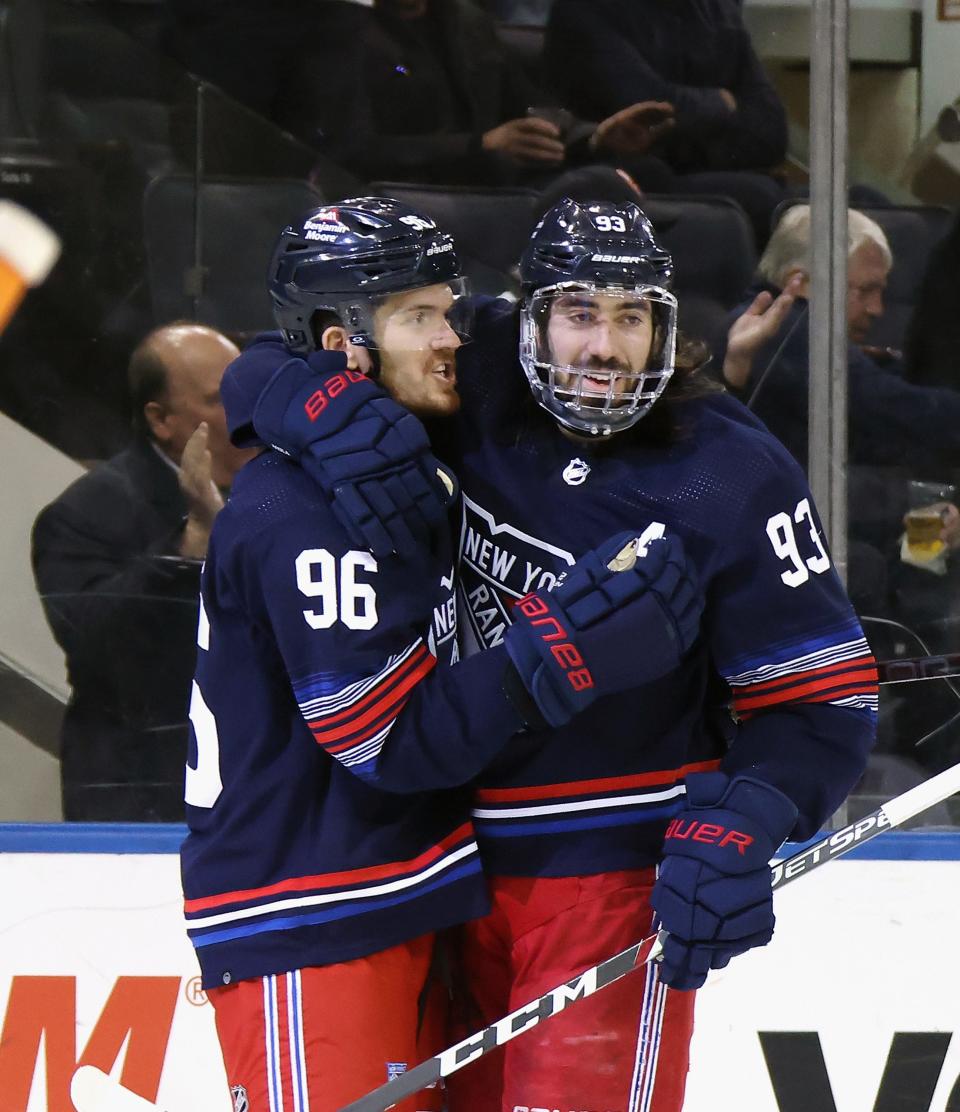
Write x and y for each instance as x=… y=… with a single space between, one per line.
x=436 y=97
x=117 y=563
x=897 y=431
x=891 y=422
x=694 y=56
x=416 y=90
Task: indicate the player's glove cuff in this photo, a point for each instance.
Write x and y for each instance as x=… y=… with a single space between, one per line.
x=521 y=700
x=307 y=401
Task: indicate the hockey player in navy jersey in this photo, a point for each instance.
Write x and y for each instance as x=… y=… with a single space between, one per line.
x=666 y=803
x=329 y=834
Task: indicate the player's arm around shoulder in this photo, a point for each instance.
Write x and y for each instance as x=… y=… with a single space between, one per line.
x=364 y=641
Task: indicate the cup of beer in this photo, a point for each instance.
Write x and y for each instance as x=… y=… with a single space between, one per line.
x=924 y=520
x=28 y=250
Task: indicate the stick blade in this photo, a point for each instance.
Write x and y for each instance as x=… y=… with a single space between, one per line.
x=91 y=1090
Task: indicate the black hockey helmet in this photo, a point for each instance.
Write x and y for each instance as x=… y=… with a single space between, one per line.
x=589 y=266
x=600 y=242
x=343 y=258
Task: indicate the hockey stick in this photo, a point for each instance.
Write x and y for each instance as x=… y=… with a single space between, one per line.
x=906 y=669
x=91 y=1090
x=892 y=814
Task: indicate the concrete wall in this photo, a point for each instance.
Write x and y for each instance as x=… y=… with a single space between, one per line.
x=940 y=75
x=29 y=781
x=34 y=474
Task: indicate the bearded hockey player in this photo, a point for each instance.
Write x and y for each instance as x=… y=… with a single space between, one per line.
x=329 y=837
x=663 y=804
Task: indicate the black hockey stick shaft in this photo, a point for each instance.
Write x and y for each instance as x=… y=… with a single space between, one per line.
x=890 y=815
x=907 y=669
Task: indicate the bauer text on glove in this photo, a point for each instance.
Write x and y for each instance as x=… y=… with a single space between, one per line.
x=713 y=893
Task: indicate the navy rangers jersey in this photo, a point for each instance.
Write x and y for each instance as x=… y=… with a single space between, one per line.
x=780 y=641
x=328 y=740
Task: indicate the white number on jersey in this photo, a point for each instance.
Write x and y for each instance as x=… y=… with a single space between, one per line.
x=780 y=530
x=341 y=596
x=203 y=785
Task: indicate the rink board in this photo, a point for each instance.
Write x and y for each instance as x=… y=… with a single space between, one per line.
x=857 y=996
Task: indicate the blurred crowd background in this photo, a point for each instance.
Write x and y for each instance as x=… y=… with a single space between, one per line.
x=168 y=141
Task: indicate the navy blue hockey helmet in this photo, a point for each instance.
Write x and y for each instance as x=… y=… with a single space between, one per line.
x=344 y=258
x=598 y=332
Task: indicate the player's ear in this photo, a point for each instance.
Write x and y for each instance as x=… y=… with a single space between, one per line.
x=334 y=338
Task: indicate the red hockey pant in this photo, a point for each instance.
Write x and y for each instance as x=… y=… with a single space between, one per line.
x=625 y=1049
x=315 y=1039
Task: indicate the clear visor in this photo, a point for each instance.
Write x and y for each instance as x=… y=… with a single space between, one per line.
x=599 y=357
x=430 y=318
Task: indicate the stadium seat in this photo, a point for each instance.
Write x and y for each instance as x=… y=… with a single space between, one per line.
x=207 y=255
x=714 y=257
x=525 y=45
x=491 y=226
x=22 y=68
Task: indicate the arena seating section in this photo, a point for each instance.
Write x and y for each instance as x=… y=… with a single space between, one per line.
x=173 y=193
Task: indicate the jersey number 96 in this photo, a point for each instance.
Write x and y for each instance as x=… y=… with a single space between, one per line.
x=334 y=583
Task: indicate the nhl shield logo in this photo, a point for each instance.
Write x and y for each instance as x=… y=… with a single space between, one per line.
x=240 y=1102
x=576 y=472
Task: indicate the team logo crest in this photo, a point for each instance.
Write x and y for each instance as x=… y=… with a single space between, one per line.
x=395 y=1069
x=499 y=564
x=576 y=472
x=240 y=1101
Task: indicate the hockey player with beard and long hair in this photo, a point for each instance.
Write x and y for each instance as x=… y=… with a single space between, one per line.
x=330 y=834
x=662 y=805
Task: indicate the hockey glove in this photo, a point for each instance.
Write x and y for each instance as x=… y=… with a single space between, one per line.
x=603 y=631
x=713 y=893
x=369 y=454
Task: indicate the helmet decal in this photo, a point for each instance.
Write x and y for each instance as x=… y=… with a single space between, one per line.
x=341 y=258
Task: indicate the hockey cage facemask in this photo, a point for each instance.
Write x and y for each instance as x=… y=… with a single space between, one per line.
x=598 y=323
x=347 y=261
x=598 y=357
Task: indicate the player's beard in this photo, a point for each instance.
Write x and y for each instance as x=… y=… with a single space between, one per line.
x=423 y=382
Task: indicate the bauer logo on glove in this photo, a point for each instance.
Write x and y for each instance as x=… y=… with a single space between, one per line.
x=620 y=619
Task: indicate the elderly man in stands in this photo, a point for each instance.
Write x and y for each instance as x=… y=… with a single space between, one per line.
x=897 y=431
x=117 y=563
x=891 y=421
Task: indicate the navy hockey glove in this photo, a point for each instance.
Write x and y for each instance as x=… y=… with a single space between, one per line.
x=713 y=893
x=369 y=454
x=603 y=631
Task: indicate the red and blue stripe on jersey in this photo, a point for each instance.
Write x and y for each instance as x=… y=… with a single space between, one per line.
x=836 y=668
x=306 y=901
x=350 y=717
x=581 y=805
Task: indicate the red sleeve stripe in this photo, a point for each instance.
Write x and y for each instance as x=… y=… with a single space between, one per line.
x=383 y=703
x=375 y=693
x=862 y=682
x=843 y=666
